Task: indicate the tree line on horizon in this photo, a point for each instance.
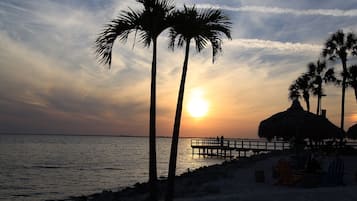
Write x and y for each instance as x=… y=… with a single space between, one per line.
x=339 y=47
x=202 y=26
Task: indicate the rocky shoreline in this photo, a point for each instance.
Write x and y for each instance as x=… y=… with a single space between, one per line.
x=189 y=184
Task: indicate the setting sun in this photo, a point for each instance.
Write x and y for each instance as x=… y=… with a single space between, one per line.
x=197 y=105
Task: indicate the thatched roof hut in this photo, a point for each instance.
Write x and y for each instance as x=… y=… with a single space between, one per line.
x=295 y=122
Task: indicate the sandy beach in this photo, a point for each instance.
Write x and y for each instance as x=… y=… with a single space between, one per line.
x=235 y=180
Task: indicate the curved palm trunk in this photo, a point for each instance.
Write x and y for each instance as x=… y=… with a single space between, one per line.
x=176 y=131
x=152 y=135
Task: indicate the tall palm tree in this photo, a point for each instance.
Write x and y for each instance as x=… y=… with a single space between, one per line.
x=341 y=46
x=148 y=23
x=319 y=74
x=352 y=78
x=301 y=84
x=203 y=27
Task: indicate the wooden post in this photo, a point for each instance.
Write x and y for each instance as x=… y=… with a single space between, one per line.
x=266 y=146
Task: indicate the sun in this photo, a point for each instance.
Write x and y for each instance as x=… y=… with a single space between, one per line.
x=197 y=105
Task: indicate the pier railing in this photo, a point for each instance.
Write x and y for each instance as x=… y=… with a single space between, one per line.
x=226 y=147
x=236 y=144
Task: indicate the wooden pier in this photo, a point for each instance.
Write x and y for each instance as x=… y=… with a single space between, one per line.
x=235 y=147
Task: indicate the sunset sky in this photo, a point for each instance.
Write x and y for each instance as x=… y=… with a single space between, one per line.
x=51 y=82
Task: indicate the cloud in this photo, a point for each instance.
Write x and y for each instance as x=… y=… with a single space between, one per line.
x=49 y=72
x=286 y=47
x=277 y=10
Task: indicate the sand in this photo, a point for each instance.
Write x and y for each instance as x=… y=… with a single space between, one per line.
x=235 y=180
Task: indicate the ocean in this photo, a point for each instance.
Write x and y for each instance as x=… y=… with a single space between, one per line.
x=41 y=167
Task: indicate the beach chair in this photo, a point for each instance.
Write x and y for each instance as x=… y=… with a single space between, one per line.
x=285 y=174
x=334 y=176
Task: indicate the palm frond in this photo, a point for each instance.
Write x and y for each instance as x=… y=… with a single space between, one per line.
x=147 y=25
x=203 y=26
x=119 y=28
x=294 y=93
x=340 y=45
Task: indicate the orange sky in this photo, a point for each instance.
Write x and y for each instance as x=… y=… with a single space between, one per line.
x=51 y=82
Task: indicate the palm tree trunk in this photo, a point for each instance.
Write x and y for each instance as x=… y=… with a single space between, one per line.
x=355 y=89
x=318 y=104
x=343 y=93
x=152 y=135
x=319 y=99
x=344 y=66
x=176 y=131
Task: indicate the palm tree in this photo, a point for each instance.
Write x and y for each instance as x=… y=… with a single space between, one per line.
x=294 y=93
x=303 y=84
x=341 y=46
x=352 y=78
x=202 y=26
x=148 y=23
x=319 y=73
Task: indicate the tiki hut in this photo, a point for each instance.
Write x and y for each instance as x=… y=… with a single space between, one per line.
x=299 y=124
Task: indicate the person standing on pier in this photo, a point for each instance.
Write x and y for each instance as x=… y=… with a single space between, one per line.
x=222 y=141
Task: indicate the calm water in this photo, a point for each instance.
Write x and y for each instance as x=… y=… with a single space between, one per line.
x=39 y=167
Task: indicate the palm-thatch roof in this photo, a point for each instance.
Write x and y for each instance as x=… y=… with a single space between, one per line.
x=295 y=122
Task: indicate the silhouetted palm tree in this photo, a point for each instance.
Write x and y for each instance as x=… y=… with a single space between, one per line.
x=294 y=92
x=148 y=23
x=319 y=73
x=301 y=85
x=352 y=78
x=202 y=26
x=341 y=46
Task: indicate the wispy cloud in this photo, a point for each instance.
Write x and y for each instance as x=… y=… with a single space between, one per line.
x=49 y=73
x=278 y=10
x=275 y=45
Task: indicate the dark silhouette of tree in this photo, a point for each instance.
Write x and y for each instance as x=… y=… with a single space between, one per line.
x=341 y=46
x=203 y=27
x=302 y=85
x=319 y=74
x=351 y=80
x=147 y=24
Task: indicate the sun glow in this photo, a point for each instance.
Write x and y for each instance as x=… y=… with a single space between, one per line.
x=197 y=105
x=353 y=118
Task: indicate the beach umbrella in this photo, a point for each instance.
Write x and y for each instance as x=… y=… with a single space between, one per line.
x=352 y=132
x=297 y=123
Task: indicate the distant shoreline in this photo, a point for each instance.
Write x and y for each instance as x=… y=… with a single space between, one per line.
x=109 y=135
x=89 y=135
